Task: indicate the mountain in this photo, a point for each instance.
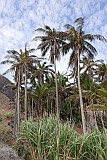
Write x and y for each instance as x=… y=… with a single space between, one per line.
x=5 y=89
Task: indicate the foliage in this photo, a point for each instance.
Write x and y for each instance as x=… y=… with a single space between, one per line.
x=40 y=138
x=38 y=87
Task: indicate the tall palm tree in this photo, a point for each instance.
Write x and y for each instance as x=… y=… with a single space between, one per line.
x=78 y=41
x=51 y=40
x=20 y=63
x=27 y=60
x=13 y=58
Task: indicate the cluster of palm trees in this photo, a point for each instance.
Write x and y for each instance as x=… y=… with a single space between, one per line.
x=43 y=91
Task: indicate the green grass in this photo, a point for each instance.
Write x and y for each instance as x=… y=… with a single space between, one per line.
x=38 y=139
x=6 y=114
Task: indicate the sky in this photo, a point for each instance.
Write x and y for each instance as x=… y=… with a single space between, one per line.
x=20 y=18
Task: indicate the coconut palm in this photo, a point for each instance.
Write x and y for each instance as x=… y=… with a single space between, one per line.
x=89 y=66
x=40 y=95
x=102 y=72
x=20 y=63
x=51 y=40
x=78 y=41
x=42 y=71
x=27 y=60
x=63 y=88
x=13 y=58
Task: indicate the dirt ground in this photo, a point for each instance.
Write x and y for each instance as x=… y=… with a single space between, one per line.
x=6 y=114
x=7 y=153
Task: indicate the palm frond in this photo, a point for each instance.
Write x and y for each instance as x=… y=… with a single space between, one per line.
x=73 y=58
x=80 y=23
x=90 y=55
x=10 y=69
x=90 y=47
x=96 y=107
x=31 y=50
x=88 y=37
x=44 y=31
x=102 y=91
x=40 y=38
x=48 y=28
x=100 y=37
x=13 y=52
x=68 y=26
x=44 y=51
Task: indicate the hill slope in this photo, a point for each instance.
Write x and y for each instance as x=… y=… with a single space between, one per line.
x=6 y=108
x=4 y=82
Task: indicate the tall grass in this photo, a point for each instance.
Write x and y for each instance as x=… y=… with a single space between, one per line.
x=40 y=141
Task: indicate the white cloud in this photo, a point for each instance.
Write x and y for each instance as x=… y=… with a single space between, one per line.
x=19 y=19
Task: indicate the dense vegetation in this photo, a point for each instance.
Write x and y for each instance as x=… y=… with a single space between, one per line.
x=78 y=96
x=40 y=139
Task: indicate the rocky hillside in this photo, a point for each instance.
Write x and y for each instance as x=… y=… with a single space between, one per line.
x=6 y=107
x=4 y=87
x=5 y=103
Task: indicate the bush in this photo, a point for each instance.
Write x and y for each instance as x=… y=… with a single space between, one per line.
x=39 y=139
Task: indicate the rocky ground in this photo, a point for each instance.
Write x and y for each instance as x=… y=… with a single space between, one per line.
x=6 y=116
x=6 y=139
x=7 y=153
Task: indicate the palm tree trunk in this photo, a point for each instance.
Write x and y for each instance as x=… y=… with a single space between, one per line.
x=57 y=108
x=56 y=84
x=17 y=109
x=15 y=129
x=18 y=101
x=96 y=126
x=32 y=112
x=80 y=95
x=25 y=94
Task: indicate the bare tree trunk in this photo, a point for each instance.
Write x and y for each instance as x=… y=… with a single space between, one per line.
x=15 y=129
x=25 y=94
x=96 y=126
x=18 y=102
x=80 y=94
x=47 y=106
x=51 y=104
x=56 y=83
x=17 y=108
x=57 y=108
x=32 y=109
x=101 y=115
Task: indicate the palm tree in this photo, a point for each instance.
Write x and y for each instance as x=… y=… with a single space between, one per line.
x=21 y=61
x=78 y=41
x=13 y=58
x=63 y=88
x=27 y=61
x=51 y=40
x=102 y=72
x=89 y=66
x=51 y=98
x=42 y=71
x=40 y=94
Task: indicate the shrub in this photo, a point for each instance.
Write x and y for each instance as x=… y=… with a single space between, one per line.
x=39 y=139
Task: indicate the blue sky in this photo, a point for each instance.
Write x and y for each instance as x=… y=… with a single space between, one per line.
x=20 y=18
